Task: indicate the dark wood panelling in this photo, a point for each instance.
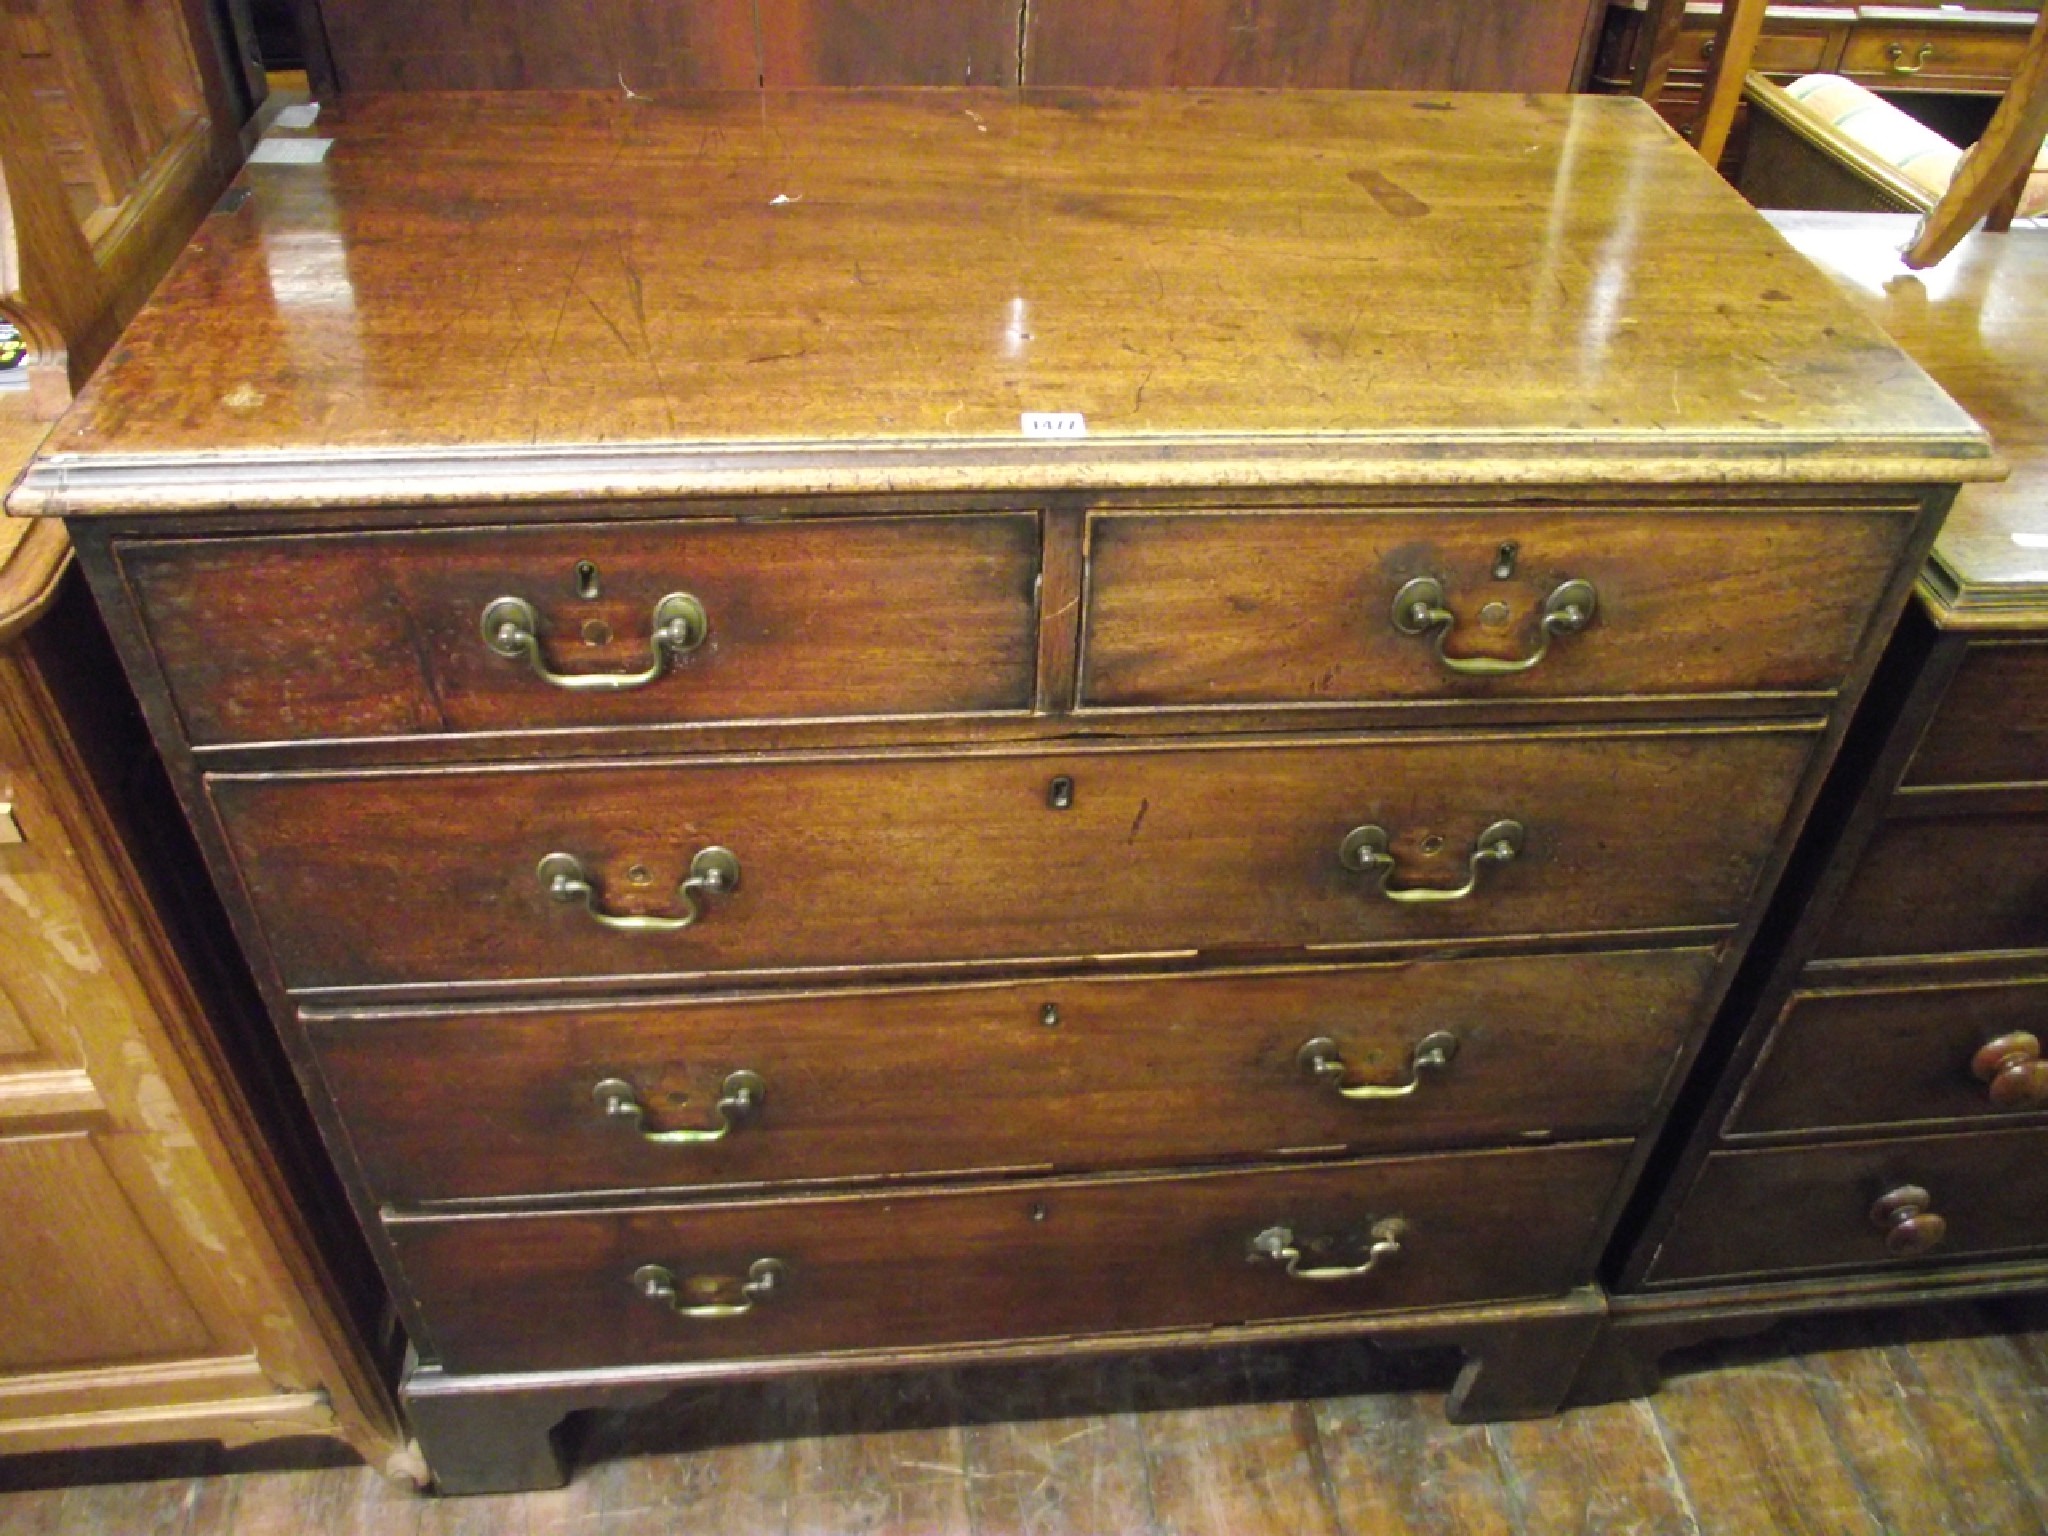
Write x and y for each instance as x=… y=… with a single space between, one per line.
x=1931 y=884
x=927 y=1267
x=472 y=45
x=1123 y=1073
x=888 y=42
x=1469 y=45
x=383 y=879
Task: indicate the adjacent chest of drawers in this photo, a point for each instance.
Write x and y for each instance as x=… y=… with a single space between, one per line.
x=768 y=861
x=1876 y=1132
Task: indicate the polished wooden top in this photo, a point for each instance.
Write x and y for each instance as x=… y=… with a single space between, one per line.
x=1979 y=323
x=485 y=296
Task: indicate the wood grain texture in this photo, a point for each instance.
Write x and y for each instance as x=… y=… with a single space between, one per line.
x=823 y=617
x=1162 y=850
x=855 y=321
x=1132 y=1073
x=1297 y=606
x=1933 y=884
x=1465 y=45
x=1023 y=1260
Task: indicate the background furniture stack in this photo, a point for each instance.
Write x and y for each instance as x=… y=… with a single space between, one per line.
x=1876 y=1134
x=796 y=874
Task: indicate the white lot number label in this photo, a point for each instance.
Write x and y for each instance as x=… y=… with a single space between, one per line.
x=1054 y=424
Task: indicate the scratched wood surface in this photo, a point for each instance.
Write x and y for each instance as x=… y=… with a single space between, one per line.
x=474 y=293
x=1933 y=1424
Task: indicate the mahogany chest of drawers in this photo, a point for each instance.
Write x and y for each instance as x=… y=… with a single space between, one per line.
x=1875 y=1132
x=869 y=731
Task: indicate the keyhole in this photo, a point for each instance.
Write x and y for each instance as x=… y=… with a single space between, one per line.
x=586 y=580
x=1049 y=1015
x=1060 y=793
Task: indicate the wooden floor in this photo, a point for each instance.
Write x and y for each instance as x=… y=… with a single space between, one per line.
x=1938 y=1424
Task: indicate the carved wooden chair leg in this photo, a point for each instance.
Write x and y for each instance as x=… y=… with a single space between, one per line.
x=2008 y=147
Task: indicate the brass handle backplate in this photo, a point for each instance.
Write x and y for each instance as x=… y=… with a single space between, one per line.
x=1909 y=1227
x=512 y=628
x=742 y=1094
x=2012 y=1066
x=1896 y=52
x=1419 y=610
x=713 y=872
x=764 y=1278
x=1322 y=1061
x=1276 y=1245
x=1365 y=849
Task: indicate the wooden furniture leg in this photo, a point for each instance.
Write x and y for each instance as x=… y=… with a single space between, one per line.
x=2004 y=153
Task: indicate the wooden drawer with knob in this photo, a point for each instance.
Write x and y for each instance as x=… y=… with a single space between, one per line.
x=1048 y=1076
x=933 y=1265
x=1928 y=1052
x=697 y=868
x=1303 y=607
x=312 y=636
x=1864 y=1204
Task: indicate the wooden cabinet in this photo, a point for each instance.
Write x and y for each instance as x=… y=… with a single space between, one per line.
x=157 y=1281
x=767 y=863
x=1663 y=49
x=1872 y=1129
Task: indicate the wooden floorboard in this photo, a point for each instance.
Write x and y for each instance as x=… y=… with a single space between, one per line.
x=1897 y=1425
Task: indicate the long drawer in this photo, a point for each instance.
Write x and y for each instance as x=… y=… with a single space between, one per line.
x=1003 y=1261
x=1052 y=1076
x=1314 y=607
x=1992 y=725
x=521 y=873
x=291 y=638
x=1838 y=1060
x=1981 y=1195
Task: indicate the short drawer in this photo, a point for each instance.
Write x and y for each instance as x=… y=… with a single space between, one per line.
x=1839 y=1060
x=1056 y=1076
x=1857 y=1206
x=1009 y=1261
x=368 y=635
x=902 y=860
x=1954 y=883
x=1894 y=56
x=1779 y=50
x=1301 y=607
x=1991 y=726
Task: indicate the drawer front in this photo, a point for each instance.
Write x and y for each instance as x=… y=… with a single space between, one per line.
x=1905 y=57
x=400 y=878
x=364 y=635
x=1055 y=1076
x=1779 y=51
x=1764 y=1213
x=1992 y=724
x=1012 y=1261
x=1299 y=607
x=1933 y=885
x=1840 y=1060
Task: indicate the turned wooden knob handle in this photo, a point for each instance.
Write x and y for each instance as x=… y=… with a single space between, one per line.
x=1909 y=1227
x=2012 y=1065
